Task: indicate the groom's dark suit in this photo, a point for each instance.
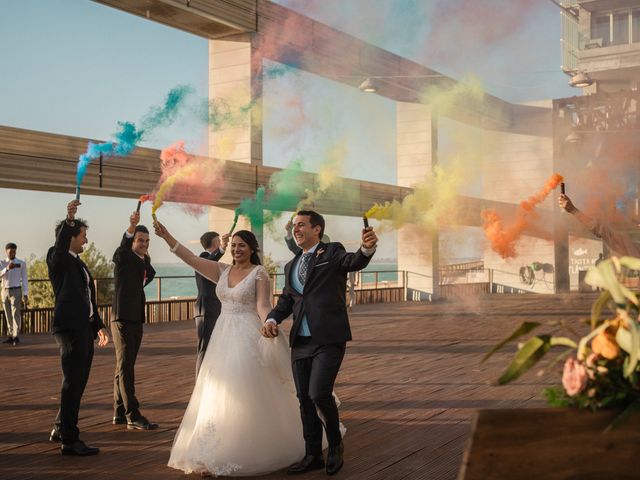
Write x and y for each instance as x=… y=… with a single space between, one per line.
x=76 y=323
x=317 y=359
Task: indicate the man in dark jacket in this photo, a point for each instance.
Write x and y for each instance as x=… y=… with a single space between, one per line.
x=76 y=324
x=207 y=308
x=315 y=293
x=132 y=272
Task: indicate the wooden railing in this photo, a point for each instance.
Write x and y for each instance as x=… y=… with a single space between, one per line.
x=372 y=287
x=39 y=320
x=373 y=290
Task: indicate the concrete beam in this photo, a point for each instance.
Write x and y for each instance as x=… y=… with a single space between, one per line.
x=33 y=160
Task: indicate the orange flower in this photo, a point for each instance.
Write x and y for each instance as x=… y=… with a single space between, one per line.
x=604 y=344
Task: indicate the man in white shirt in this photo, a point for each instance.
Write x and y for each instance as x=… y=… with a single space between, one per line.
x=15 y=291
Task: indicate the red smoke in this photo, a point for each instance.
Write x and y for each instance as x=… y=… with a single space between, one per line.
x=503 y=239
x=194 y=181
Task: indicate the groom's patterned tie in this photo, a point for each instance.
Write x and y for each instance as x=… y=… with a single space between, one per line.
x=303 y=269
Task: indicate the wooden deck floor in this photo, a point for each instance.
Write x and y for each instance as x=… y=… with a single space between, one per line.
x=409 y=385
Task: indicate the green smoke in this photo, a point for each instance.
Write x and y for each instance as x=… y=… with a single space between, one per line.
x=285 y=190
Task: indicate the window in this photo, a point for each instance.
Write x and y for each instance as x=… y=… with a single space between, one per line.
x=600 y=28
x=620 y=33
x=616 y=28
x=635 y=25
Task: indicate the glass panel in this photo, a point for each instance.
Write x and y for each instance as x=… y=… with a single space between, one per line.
x=600 y=28
x=620 y=28
x=635 y=25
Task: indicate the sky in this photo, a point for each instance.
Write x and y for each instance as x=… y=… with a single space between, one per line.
x=77 y=68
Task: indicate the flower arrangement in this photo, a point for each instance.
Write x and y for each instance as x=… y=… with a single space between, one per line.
x=601 y=369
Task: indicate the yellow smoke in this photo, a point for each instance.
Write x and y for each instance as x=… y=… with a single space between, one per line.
x=466 y=93
x=167 y=185
x=435 y=199
x=431 y=203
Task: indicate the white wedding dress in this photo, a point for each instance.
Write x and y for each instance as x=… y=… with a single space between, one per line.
x=243 y=417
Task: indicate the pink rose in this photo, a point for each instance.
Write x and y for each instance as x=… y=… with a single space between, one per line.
x=574 y=376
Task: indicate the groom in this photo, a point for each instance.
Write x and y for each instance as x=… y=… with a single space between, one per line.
x=315 y=291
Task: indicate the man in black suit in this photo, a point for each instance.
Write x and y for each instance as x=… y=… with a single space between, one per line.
x=315 y=291
x=132 y=272
x=207 y=308
x=76 y=324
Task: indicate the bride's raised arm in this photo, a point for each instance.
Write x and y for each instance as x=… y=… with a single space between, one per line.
x=263 y=293
x=205 y=267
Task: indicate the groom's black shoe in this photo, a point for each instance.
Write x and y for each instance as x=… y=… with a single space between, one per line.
x=78 y=448
x=308 y=463
x=141 y=424
x=118 y=420
x=334 y=459
x=55 y=435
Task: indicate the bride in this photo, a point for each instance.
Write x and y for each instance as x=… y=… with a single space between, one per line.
x=242 y=418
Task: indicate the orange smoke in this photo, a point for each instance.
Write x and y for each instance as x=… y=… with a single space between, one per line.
x=145 y=198
x=503 y=239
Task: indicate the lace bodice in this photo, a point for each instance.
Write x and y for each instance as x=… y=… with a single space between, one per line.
x=244 y=297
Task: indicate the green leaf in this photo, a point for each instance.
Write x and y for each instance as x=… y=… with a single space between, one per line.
x=594 y=277
x=530 y=353
x=523 y=329
x=632 y=263
x=623 y=339
x=561 y=357
x=556 y=397
x=629 y=295
x=630 y=367
x=632 y=408
x=605 y=276
x=598 y=306
x=562 y=342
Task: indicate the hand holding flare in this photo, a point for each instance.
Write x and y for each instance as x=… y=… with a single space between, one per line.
x=162 y=232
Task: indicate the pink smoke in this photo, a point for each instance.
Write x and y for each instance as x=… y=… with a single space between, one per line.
x=196 y=182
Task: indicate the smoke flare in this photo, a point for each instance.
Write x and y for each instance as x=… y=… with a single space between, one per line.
x=503 y=238
x=129 y=136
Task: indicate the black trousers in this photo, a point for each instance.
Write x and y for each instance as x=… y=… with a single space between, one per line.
x=204 y=329
x=315 y=368
x=127 y=337
x=76 y=355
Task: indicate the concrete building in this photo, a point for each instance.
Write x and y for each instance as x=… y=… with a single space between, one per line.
x=601 y=55
x=601 y=43
x=517 y=146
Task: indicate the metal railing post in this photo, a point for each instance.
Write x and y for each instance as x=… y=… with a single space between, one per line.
x=405 y=281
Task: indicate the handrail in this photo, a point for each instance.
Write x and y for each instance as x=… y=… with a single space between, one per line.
x=366 y=280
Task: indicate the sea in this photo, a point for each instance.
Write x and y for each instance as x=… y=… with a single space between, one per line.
x=179 y=279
